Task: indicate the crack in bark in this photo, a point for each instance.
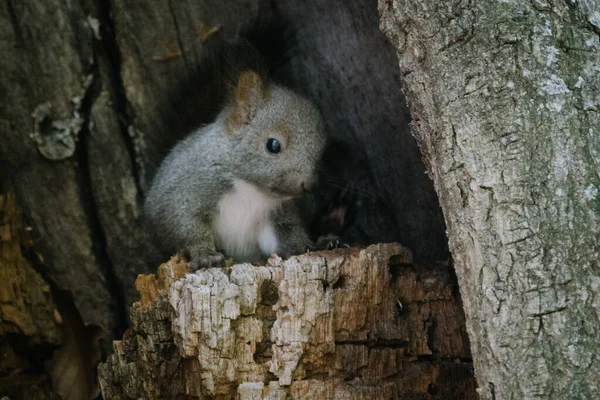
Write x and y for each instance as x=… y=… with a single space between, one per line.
x=112 y=53
x=105 y=48
x=91 y=210
x=541 y=314
x=15 y=23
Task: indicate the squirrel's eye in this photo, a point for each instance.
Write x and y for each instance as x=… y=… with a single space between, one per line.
x=273 y=146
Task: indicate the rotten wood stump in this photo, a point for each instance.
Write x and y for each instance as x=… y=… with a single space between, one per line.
x=344 y=324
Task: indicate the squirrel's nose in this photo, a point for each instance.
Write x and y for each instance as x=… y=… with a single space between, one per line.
x=308 y=186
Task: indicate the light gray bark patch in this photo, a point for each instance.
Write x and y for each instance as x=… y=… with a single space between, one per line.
x=56 y=138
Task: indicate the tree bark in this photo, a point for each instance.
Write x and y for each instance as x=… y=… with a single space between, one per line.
x=49 y=74
x=504 y=98
x=361 y=324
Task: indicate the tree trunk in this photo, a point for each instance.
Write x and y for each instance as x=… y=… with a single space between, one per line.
x=360 y=324
x=504 y=98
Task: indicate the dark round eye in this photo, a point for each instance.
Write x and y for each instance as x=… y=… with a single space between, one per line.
x=273 y=146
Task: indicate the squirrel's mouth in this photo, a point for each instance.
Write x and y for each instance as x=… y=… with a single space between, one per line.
x=286 y=194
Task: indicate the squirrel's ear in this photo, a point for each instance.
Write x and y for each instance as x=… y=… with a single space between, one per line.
x=249 y=95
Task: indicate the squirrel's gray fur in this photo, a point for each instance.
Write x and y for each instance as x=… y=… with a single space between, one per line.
x=220 y=190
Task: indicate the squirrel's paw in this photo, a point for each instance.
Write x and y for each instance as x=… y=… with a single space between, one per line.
x=329 y=242
x=206 y=260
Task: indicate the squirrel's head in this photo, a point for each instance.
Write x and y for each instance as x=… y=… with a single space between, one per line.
x=278 y=137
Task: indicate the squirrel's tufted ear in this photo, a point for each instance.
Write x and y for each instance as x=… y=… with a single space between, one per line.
x=249 y=95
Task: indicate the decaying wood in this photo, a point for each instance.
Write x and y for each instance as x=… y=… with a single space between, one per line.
x=45 y=349
x=29 y=322
x=362 y=324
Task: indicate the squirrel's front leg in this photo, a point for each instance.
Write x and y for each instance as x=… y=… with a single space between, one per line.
x=291 y=232
x=200 y=251
x=293 y=235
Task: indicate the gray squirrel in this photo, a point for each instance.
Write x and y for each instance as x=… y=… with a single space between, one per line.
x=232 y=187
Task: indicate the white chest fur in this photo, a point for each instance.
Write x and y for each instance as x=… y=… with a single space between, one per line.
x=243 y=227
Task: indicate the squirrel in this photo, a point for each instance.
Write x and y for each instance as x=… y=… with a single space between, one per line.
x=233 y=187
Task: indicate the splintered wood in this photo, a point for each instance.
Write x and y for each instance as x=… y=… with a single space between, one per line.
x=344 y=324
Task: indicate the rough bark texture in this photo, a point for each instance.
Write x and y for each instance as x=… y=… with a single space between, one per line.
x=48 y=72
x=504 y=96
x=324 y=325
